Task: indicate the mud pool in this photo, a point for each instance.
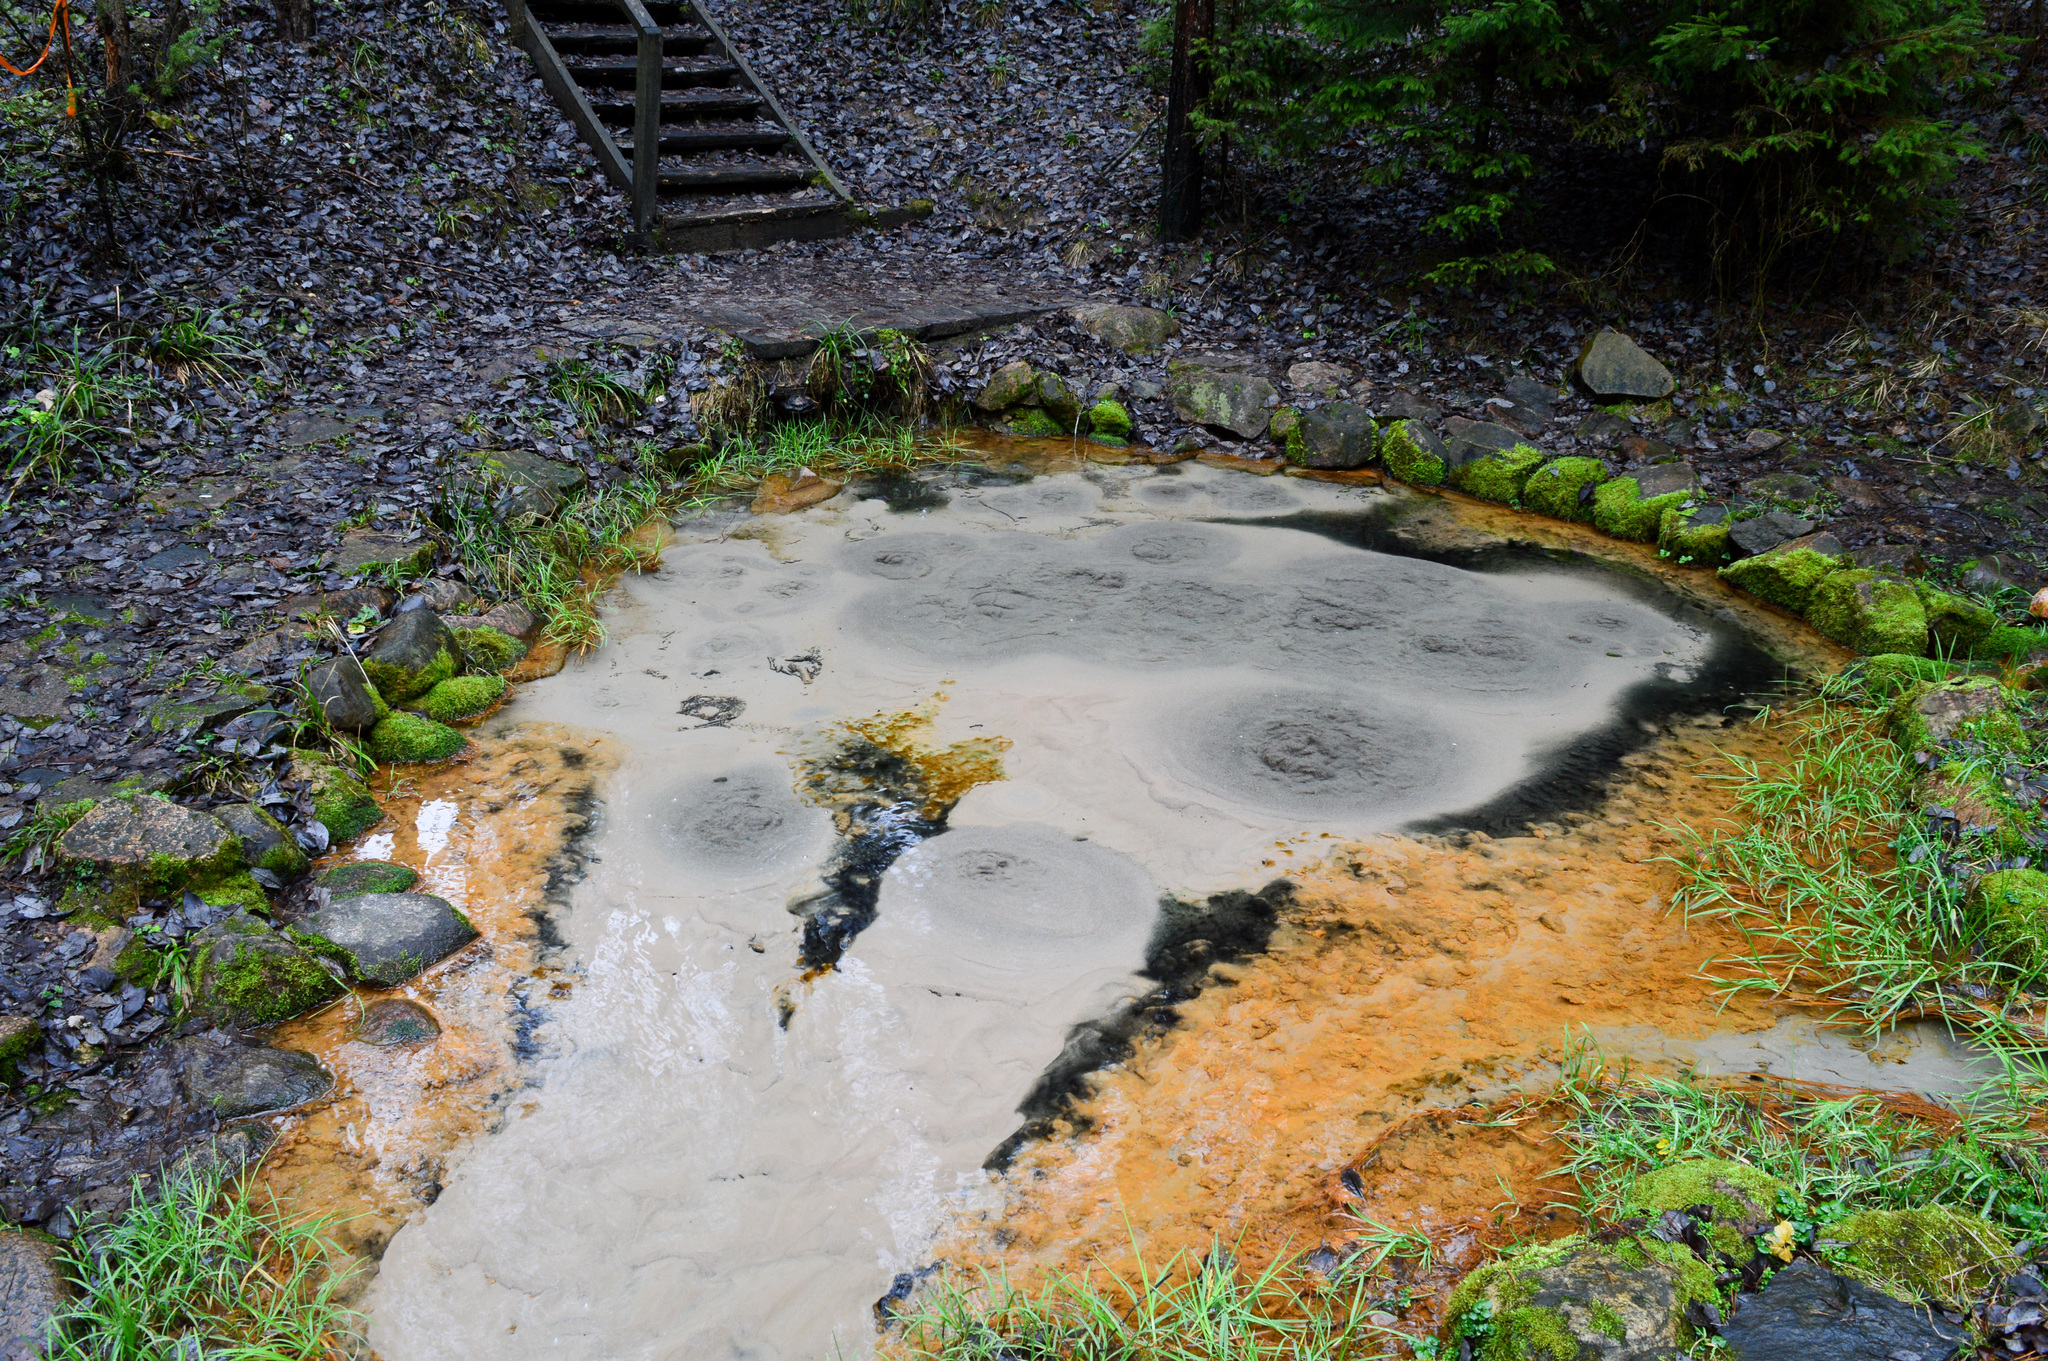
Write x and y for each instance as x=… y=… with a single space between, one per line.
x=893 y=800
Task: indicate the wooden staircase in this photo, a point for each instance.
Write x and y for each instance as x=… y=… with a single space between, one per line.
x=680 y=121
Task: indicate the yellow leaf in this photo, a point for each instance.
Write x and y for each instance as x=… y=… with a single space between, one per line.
x=1779 y=1241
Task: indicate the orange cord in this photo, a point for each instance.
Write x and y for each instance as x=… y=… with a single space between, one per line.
x=60 y=21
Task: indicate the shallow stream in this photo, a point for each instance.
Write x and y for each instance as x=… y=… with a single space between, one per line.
x=915 y=808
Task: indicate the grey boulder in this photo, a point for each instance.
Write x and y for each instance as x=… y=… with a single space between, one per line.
x=1467 y=441
x=1133 y=330
x=1809 y=1313
x=1240 y=403
x=339 y=695
x=1661 y=479
x=387 y=937
x=33 y=1290
x=234 y=1080
x=1766 y=531
x=1611 y=366
x=1337 y=436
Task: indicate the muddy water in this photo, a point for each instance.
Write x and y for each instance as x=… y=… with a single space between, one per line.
x=727 y=1154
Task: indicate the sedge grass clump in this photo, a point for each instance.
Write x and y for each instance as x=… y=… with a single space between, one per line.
x=866 y=446
x=1205 y=1308
x=200 y=1268
x=557 y=568
x=1849 y=896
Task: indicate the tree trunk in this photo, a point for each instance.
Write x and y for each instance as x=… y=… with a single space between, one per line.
x=294 y=20
x=1180 y=198
x=111 y=16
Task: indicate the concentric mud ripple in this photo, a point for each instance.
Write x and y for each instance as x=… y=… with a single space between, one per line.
x=1314 y=755
x=747 y=822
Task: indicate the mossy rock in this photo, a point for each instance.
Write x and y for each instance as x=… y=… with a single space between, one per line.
x=1556 y=488
x=1567 y=1299
x=1498 y=476
x=2011 y=907
x=2007 y=642
x=1744 y=1200
x=1861 y=609
x=1698 y=545
x=250 y=976
x=1933 y=1253
x=411 y=655
x=411 y=739
x=367 y=876
x=124 y=850
x=1970 y=708
x=266 y=845
x=1954 y=625
x=237 y=891
x=1985 y=813
x=20 y=1038
x=341 y=800
x=1109 y=418
x=487 y=651
x=1786 y=579
x=1413 y=453
x=1030 y=422
x=461 y=698
x=1620 y=509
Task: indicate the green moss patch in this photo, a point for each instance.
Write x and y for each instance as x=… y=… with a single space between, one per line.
x=341 y=801
x=2011 y=908
x=1871 y=613
x=1620 y=509
x=1030 y=422
x=1972 y=708
x=487 y=651
x=1409 y=457
x=237 y=891
x=462 y=697
x=1954 y=625
x=250 y=976
x=1556 y=487
x=1744 y=1200
x=1786 y=579
x=1700 y=545
x=367 y=876
x=1499 y=476
x=411 y=739
x=2008 y=643
x=1928 y=1254
x=1893 y=673
x=1109 y=418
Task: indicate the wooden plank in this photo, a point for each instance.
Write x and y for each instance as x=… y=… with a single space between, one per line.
x=736 y=177
x=646 y=116
x=688 y=141
x=555 y=76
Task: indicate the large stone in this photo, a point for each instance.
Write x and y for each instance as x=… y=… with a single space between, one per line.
x=339 y=695
x=204 y=713
x=341 y=800
x=1785 y=577
x=33 y=1291
x=128 y=849
x=233 y=1080
x=1241 y=403
x=338 y=606
x=402 y=738
x=1336 y=436
x=781 y=493
x=1465 y=441
x=1927 y=716
x=266 y=845
x=1572 y=1299
x=1402 y=405
x=1413 y=453
x=1762 y=533
x=1011 y=385
x=1134 y=330
x=249 y=975
x=386 y=937
x=1932 y=1253
x=1661 y=479
x=529 y=484
x=460 y=699
x=1499 y=476
x=1565 y=487
x=1871 y=613
x=1809 y=1312
x=1318 y=378
x=486 y=650
x=1611 y=366
x=1954 y=623
x=1537 y=398
x=366 y=552
x=411 y=655
x=508 y=617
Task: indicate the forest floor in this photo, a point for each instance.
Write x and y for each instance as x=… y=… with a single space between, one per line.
x=328 y=275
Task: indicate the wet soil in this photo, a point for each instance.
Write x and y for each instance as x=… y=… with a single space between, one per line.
x=495 y=834
x=1320 y=1085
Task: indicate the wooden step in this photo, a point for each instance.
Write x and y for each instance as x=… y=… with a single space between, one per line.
x=677 y=73
x=735 y=178
x=687 y=141
x=620 y=39
x=678 y=106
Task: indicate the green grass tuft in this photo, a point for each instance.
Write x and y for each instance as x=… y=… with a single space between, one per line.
x=198 y=1268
